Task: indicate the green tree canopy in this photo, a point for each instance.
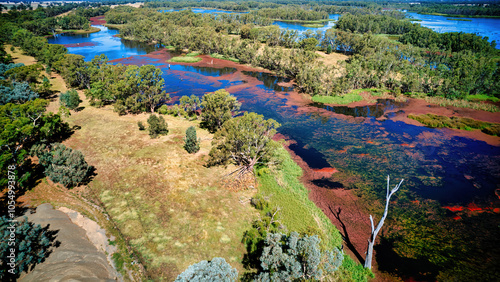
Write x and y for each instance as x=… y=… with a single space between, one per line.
x=32 y=243
x=21 y=127
x=291 y=258
x=62 y=164
x=217 y=108
x=245 y=141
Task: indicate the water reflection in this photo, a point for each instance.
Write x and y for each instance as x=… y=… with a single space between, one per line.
x=271 y=82
x=373 y=111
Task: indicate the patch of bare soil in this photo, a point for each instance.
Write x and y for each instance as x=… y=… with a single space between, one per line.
x=332 y=59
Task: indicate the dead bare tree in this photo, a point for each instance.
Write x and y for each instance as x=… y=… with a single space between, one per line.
x=373 y=237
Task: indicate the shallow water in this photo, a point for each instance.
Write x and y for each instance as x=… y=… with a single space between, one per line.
x=366 y=142
x=104 y=41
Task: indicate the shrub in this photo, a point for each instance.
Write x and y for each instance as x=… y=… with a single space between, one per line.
x=163 y=110
x=141 y=125
x=70 y=99
x=157 y=126
x=288 y=258
x=216 y=270
x=62 y=164
x=191 y=143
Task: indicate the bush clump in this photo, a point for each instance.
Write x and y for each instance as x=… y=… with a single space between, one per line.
x=70 y=99
x=62 y=164
x=141 y=125
x=191 y=142
x=157 y=126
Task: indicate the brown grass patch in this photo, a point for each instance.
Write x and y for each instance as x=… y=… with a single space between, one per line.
x=170 y=207
x=332 y=59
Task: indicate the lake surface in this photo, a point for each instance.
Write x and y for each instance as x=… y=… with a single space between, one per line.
x=489 y=27
x=367 y=142
x=102 y=42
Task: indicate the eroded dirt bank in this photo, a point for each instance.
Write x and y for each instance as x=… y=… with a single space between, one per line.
x=73 y=256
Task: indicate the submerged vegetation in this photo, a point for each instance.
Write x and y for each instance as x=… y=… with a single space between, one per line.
x=458 y=123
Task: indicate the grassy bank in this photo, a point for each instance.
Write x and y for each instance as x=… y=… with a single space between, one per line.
x=222 y=57
x=283 y=189
x=313 y=25
x=443 y=102
x=351 y=97
x=92 y=29
x=460 y=20
x=185 y=59
x=457 y=123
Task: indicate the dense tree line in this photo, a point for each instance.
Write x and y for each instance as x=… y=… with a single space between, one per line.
x=450 y=41
x=490 y=9
x=373 y=24
x=130 y=88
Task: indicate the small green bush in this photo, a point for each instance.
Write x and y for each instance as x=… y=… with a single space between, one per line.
x=70 y=99
x=191 y=143
x=157 y=126
x=163 y=110
x=141 y=125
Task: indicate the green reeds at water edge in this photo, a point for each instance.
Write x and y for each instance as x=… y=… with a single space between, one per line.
x=457 y=122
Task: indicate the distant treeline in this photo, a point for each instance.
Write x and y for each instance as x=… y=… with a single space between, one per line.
x=42 y=21
x=457 y=9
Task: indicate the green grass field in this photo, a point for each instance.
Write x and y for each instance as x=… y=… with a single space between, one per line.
x=185 y=59
x=222 y=57
x=342 y=100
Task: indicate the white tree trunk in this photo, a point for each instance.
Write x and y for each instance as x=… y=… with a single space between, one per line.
x=373 y=236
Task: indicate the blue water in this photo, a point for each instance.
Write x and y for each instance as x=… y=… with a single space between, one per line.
x=112 y=47
x=368 y=142
x=488 y=27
